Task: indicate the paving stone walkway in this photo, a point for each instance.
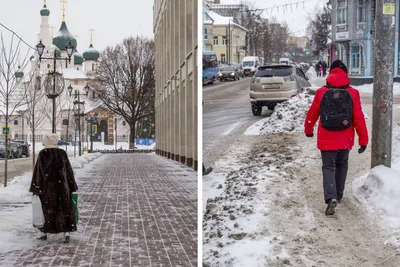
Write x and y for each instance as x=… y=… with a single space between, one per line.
x=135 y=210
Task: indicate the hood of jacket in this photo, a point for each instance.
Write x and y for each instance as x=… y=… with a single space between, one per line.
x=337 y=78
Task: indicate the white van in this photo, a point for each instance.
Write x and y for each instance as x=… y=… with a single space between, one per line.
x=250 y=65
x=284 y=61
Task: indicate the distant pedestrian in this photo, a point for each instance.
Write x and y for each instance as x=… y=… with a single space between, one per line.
x=53 y=181
x=321 y=70
x=317 y=68
x=338 y=107
x=324 y=67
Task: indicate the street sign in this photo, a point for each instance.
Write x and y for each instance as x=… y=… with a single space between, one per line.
x=6 y=130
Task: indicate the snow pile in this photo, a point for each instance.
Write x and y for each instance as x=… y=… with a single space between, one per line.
x=380 y=191
x=17 y=190
x=288 y=117
x=368 y=88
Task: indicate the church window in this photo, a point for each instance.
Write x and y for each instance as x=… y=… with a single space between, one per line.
x=124 y=123
x=48 y=66
x=65 y=122
x=93 y=94
x=77 y=68
x=16 y=122
x=92 y=66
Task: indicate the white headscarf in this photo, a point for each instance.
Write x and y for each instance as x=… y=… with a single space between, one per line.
x=50 y=140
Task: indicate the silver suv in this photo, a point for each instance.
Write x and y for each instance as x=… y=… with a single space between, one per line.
x=273 y=84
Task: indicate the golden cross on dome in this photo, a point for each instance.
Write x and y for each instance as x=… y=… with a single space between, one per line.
x=91 y=35
x=63 y=9
x=44 y=2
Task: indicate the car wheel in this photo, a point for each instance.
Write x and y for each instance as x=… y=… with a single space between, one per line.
x=256 y=109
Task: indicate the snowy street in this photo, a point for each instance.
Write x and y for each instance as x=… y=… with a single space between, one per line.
x=134 y=210
x=263 y=204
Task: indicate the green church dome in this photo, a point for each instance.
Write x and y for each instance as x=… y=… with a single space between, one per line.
x=78 y=59
x=64 y=37
x=45 y=11
x=91 y=53
x=18 y=73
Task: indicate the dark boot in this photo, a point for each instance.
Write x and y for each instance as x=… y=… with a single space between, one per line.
x=330 y=209
x=66 y=237
x=42 y=237
x=207 y=171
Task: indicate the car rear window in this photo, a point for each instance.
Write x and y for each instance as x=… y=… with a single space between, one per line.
x=274 y=71
x=228 y=69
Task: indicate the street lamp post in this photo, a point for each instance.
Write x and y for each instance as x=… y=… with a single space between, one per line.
x=78 y=107
x=54 y=82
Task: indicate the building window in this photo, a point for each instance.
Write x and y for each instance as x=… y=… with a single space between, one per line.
x=215 y=40
x=356 y=58
x=124 y=123
x=16 y=122
x=341 y=12
x=77 y=68
x=205 y=34
x=361 y=11
x=48 y=66
x=65 y=122
x=341 y=52
x=92 y=66
x=223 y=40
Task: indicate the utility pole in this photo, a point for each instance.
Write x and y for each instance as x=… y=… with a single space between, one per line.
x=381 y=153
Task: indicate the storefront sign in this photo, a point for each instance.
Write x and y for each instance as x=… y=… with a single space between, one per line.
x=342 y=35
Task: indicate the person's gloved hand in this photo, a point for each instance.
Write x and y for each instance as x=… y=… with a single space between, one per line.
x=362 y=149
x=310 y=135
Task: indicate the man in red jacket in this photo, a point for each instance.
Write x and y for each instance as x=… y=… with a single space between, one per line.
x=335 y=144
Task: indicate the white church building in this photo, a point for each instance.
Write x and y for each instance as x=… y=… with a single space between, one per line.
x=76 y=74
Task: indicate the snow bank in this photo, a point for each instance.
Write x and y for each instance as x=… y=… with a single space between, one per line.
x=288 y=117
x=368 y=88
x=17 y=190
x=379 y=190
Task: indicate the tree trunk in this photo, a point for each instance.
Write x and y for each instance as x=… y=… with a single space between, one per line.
x=132 y=136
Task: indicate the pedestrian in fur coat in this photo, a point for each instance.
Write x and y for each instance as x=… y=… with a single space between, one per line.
x=53 y=181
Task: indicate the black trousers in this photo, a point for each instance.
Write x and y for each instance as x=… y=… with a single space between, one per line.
x=334 y=171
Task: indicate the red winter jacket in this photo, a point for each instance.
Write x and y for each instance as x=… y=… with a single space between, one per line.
x=335 y=140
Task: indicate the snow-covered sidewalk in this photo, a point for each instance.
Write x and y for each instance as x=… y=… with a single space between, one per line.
x=134 y=210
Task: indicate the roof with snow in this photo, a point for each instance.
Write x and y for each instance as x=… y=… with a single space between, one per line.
x=71 y=74
x=223 y=21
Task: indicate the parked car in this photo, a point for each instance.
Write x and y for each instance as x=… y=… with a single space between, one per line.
x=62 y=143
x=274 y=84
x=229 y=73
x=25 y=147
x=3 y=150
x=16 y=149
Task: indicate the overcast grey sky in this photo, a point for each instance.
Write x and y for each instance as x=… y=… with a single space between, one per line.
x=297 y=20
x=112 y=20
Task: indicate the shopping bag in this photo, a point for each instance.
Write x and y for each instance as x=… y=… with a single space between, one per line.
x=37 y=212
x=74 y=197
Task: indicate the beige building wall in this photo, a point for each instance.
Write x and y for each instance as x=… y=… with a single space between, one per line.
x=238 y=36
x=175 y=34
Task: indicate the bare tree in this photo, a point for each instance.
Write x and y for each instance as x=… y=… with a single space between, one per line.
x=12 y=89
x=319 y=29
x=124 y=80
x=33 y=111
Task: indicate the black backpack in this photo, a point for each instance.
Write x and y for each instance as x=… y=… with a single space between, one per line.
x=336 y=109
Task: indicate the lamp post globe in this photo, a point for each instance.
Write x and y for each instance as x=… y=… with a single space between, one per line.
x=86 y=88
x=70 y=50
x=40 y=48
x=70 y=90
x=54 y=84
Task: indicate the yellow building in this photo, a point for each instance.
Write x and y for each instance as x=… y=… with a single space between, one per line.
x=223 y=30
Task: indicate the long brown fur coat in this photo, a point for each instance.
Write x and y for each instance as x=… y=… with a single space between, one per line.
x=53 y=181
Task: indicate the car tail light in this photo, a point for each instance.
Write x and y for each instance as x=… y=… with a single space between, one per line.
x=293 y=96
x=251 y=97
